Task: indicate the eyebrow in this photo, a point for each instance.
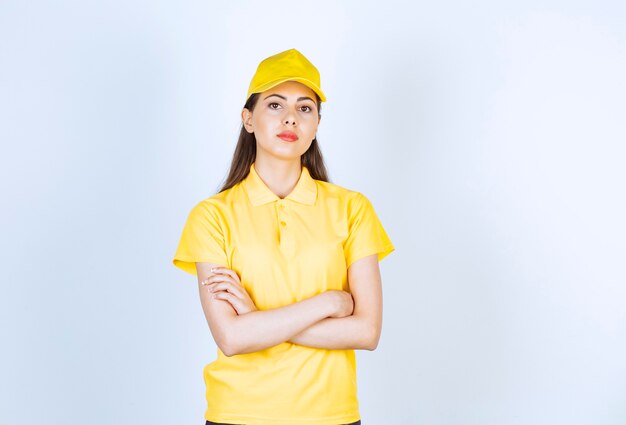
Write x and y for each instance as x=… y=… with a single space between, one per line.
x=284 y=98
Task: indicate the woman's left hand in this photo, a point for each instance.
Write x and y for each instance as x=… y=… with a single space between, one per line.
x=225 y=285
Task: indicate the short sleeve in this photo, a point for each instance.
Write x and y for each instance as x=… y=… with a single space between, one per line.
x=366 y=235
x=202 y=240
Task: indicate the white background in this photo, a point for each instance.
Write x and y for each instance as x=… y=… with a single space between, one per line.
x=489 y=136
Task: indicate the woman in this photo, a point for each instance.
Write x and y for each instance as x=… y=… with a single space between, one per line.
x=287 y=265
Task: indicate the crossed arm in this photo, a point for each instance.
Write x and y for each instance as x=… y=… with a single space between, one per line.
x=330 y=320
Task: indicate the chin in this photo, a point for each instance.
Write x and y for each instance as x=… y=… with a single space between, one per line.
x=287 y=157
x=282 y=153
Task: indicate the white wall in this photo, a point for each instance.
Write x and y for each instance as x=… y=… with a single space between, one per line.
x=490 y=139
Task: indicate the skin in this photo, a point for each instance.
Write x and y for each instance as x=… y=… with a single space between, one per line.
x=330 y=320
x=277 y=161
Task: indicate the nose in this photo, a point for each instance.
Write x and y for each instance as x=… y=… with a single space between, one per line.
x=289 y=119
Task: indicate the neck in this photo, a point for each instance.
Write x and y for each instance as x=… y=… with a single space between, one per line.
x=280 y=176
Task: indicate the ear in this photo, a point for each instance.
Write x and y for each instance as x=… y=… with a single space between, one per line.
x=246 y=119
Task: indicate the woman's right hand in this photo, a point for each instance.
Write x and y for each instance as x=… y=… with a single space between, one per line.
x=342 y=301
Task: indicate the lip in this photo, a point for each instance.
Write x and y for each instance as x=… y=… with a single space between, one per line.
x=288 y=136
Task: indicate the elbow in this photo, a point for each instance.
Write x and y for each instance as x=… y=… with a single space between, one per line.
x=229 y=350
x=229 y=353
x=233 y=341
x=371 y=345
x=227 y=346
x=229 y=339
x=231 y=345
x=371 y=342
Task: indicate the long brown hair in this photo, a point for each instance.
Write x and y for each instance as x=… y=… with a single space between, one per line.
x=245 y=153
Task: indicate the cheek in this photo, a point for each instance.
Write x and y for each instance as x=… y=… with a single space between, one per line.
x=261 y=125
x=311 y=128
x=308 y=120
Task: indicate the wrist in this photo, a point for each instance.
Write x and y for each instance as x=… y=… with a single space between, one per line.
x=331 y=303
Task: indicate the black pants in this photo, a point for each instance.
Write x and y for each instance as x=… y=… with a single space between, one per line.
x=215 y=423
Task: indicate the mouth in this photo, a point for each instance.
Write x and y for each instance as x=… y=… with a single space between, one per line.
x=288 y=136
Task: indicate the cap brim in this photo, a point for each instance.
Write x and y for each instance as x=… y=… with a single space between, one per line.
x=310 y=84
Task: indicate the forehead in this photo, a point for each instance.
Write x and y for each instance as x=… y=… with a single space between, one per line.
x=290 y=89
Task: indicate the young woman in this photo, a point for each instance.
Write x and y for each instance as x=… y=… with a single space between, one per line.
x=287 y=265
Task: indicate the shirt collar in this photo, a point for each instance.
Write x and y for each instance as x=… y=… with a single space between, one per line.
x=305 y=191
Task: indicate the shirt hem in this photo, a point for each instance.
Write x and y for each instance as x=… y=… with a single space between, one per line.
x=255 y=420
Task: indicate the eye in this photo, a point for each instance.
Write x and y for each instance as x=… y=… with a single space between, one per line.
x=272 y=103
x=309 y=108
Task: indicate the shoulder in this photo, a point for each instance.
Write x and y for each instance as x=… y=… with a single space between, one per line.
x=217 y=205
x=349 y=198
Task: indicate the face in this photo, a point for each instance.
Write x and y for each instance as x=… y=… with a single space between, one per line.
x=284 y=120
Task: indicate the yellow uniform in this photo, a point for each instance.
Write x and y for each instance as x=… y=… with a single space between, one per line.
x=284 y=251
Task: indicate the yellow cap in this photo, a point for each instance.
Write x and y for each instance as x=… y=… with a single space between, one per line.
x=290 y=65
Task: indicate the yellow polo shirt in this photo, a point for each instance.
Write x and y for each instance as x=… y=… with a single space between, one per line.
x=284 y=251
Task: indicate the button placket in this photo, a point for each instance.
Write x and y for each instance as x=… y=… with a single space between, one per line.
x=286 y=238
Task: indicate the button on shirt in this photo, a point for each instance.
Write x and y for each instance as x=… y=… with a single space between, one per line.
x=284 y=251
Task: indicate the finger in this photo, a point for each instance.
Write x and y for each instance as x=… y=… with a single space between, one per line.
x=232 y=301
x=214 y=271
x=213 y=278
x=227 y=296
x=233 y=275
x=229 y=272
x=226 y=286
x=217 y=278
